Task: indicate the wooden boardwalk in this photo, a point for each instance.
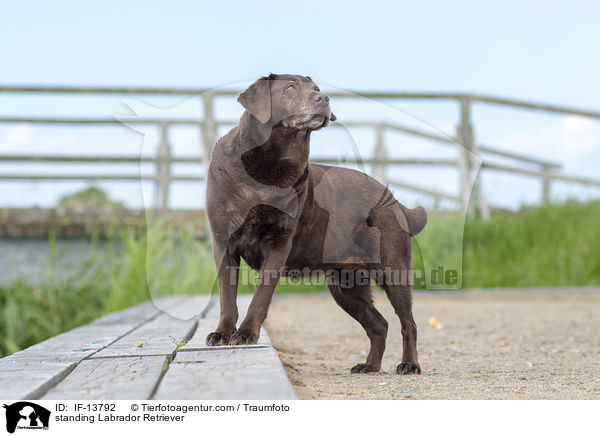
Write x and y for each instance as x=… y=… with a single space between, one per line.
x=144 y=353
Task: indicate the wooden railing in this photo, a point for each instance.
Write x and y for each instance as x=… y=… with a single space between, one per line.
x=464 y=141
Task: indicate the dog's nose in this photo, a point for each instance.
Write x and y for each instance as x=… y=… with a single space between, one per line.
x=320 y=98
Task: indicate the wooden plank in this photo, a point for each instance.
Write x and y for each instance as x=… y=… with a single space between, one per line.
x=29 y=373
x=424 y=190
x=387 y=161
x=224 y=374
x=209 y=322
x=541 y=174
x=161 y=336
x=207 y=325
x=93 y=158
x=189 y=306
x=124 y=355
x=140 y=312
x=22 y=379
x=128 y=378
x=351 y=94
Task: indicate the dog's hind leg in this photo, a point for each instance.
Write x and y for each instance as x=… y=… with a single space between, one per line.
x=394 y=276
x=358 y=304
x=400 y=296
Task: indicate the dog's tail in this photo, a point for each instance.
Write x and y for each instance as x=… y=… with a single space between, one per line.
x=416 y=218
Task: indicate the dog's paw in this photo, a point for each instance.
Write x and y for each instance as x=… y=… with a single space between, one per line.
x=243 y=337
x=363 y=368
x=408 y=368
x=218 y=338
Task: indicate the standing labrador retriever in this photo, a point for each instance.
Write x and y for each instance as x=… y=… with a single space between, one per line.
x=268 y=205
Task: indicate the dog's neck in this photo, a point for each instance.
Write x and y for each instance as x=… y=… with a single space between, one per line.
x=280 y=160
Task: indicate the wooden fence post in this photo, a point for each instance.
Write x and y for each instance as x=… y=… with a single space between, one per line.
x=546 y=180
x=379 y=155
x=163 y=169
x=209 y=129
x=466 y=139
x=464 y=168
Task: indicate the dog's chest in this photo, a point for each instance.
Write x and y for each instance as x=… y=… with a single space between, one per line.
x=264 y=229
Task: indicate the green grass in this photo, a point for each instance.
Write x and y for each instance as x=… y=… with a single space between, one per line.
x=539 y=246
x=554 y=245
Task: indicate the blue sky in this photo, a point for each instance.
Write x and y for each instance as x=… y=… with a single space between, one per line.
x=542 y=50
x=537 y=50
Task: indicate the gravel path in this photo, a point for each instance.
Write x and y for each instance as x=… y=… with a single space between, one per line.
x=491 y=346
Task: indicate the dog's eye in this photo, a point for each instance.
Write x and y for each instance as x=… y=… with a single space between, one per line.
x=291 y=86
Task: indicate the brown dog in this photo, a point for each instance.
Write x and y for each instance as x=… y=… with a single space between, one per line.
x=268 y=205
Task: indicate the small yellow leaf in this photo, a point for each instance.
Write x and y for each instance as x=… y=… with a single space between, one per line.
x=433 y=322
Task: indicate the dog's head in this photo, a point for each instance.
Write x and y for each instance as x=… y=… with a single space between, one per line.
x=291 y=101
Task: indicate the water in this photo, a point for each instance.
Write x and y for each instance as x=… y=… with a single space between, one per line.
x=28 y=259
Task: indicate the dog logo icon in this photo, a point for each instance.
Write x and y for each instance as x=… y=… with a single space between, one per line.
x=26 y=415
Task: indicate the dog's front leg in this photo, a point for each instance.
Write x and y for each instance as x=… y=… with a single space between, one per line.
x=268 y=276
x=227 y=278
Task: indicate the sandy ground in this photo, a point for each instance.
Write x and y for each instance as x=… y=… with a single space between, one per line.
x=491 y=346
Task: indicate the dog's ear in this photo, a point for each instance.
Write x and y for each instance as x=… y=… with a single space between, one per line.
x=257 y=99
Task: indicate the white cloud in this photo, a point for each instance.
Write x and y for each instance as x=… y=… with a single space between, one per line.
x=579 y=136
x=569 y=142
x=16 y=138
